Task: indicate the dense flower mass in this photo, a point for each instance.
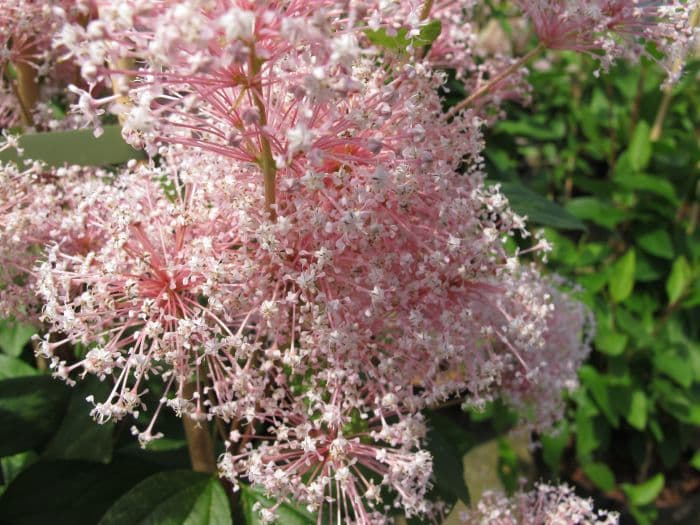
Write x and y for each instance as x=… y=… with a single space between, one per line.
x=311 y=256
x=544 y=505
x=613 y=28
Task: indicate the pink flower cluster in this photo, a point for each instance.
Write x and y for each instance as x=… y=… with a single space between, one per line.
x=611 y=29
x=28 y=55
x=311 y=256
x=544 y=505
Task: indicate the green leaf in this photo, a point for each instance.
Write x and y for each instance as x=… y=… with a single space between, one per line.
x=179 y=497
x=674 y=367
x=609 y=342
x=597 y=385
x=657 y=242
x=287 y=514
x=595 y=210
x=677 y=283
x=637 y=415
x=31 y=408
x=400 y=41
x=647 y=183
x=79 y=436
x=640 y=146
x=13 y=367
x=14 y=335
x=554 y=446
x=644 y=493
x=621 y=280
x=57 y=148
x=447 y=459
x=74 y=492
x=695 y=460
x=601 y=475
x=539 y=209
x=12 y=466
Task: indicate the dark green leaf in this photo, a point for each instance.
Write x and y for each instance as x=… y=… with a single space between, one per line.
x=695 y=460
x=74 y=492
x=31 y=408
x=79 y=436
x=287 y=514
x=648 y=183
x=448 y=469
x=80 y=147
x=538 y=209
x=172 y=498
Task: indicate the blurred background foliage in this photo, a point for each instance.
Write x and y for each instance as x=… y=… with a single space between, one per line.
x=622 y=156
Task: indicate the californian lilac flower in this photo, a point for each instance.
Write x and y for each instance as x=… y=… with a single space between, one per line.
x=40 y=206
x=544 y=505
x=612 y=28
x=27 y=29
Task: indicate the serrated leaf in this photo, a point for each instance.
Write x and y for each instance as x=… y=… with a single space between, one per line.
x=75 y=492
x=13 y=367
x=14 y=335
x=644 y=493
x=678 y=281
x=657 y=242
x=179 y=497
x=287 y=514
x=79 y=436
x=31 y=408
x=601 y=475
x=539 y=209
x=621 y=279
x=640 y=146
x=57 y=148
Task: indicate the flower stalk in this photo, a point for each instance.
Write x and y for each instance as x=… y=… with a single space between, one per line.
x=199 y=443
x=488 y=86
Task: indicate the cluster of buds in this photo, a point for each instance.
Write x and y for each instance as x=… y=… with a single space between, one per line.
x=311 y=256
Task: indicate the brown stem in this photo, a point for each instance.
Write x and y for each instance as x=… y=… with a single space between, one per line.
x=26 y=90
x=495 y=80
x=425 y=12
x=199 y=442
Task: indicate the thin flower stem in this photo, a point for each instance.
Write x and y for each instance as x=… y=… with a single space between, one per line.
x=495 y=80
x=266 y=160
x=199 y=442
x=26 y=90
x=657 y=128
